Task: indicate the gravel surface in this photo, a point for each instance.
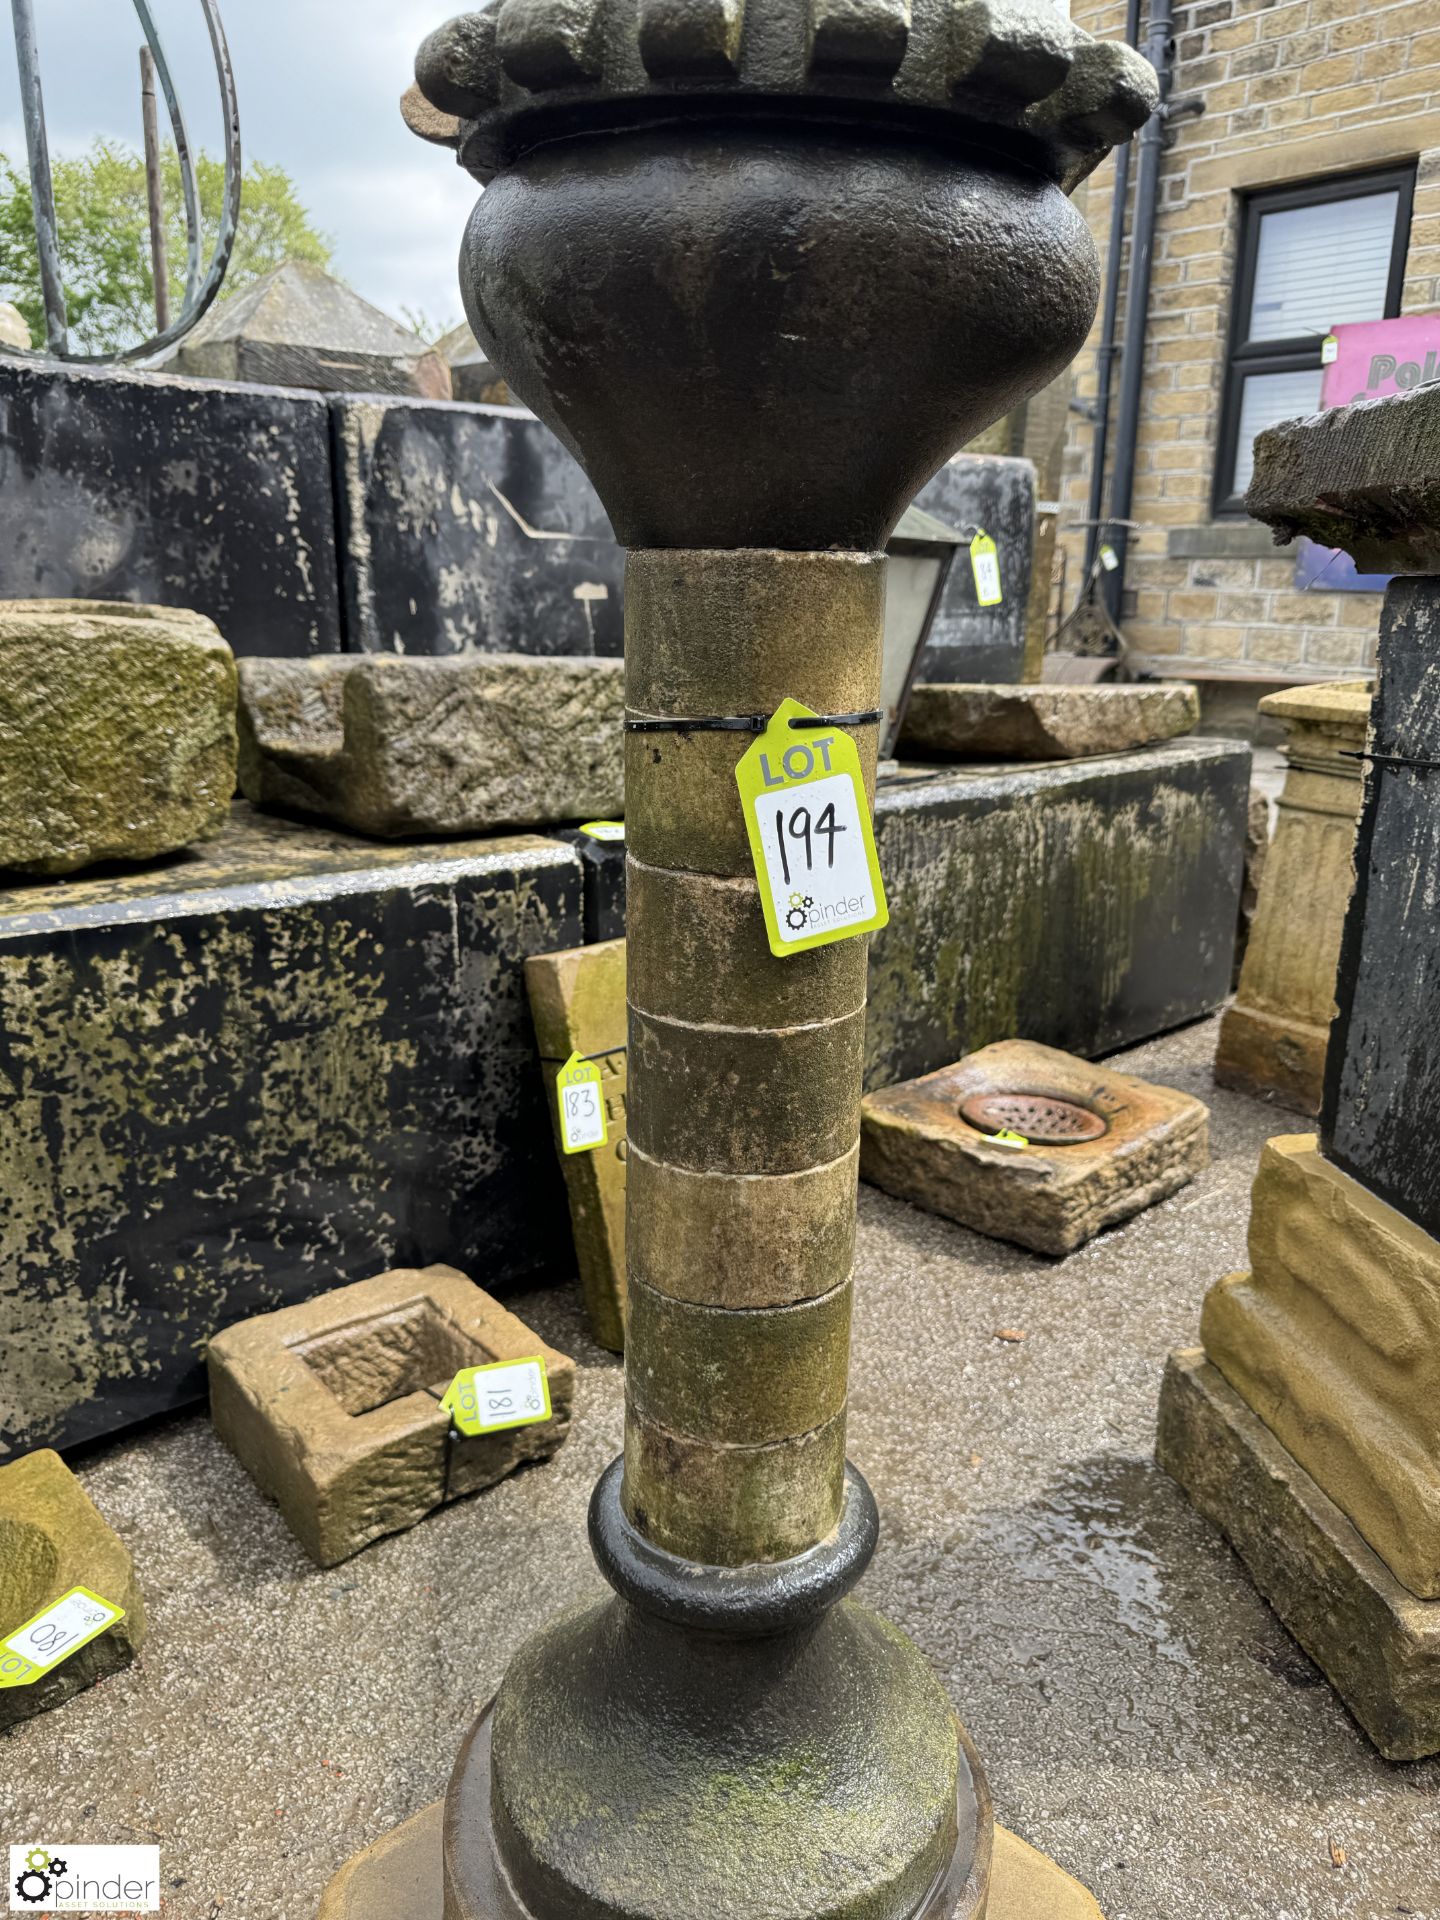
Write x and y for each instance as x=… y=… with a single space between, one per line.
x=1143 y=1716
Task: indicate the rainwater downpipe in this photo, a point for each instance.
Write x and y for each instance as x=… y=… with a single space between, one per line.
x=1159 y=50
x=1109 y=349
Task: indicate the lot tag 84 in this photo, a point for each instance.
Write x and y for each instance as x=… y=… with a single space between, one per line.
x=810 y=834
x=582 y=1105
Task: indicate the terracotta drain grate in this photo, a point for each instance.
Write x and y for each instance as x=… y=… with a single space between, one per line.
x=1043 y=1118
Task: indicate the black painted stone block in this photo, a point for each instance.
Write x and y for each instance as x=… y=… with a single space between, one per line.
x=968 y=641
x=285 y=1061
x=604 y=865
x=1087 y=905
x=1381 y=1115
x=470 y=527
x=184 y=493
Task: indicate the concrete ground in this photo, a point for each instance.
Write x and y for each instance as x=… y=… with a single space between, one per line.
x=1143 y=1716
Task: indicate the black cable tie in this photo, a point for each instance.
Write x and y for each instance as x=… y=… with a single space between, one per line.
x=754 y=722
x=1390 y=760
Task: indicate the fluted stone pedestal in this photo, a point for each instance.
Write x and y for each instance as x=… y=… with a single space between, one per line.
x=1273 y=1039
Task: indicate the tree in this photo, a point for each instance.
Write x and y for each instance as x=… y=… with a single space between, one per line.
x=103 y=225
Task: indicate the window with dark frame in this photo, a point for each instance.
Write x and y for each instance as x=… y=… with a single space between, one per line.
x=1310 y=258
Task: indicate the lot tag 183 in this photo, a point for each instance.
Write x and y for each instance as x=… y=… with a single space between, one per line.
x=582 y=1105
x=507 y=1393
x=985 y=565
x=62 y=1628
x=810 y=835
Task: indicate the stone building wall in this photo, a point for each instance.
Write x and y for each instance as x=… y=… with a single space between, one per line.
x=1294 y=91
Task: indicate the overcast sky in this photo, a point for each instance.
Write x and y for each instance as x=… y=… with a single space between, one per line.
x=318 y=81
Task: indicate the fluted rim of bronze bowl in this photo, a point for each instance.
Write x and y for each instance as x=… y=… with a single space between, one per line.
x=1012 y=72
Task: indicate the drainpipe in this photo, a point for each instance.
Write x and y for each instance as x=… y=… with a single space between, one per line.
x=1109 y=349
x=1159 y=50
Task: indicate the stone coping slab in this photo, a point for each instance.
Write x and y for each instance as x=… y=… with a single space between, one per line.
x=1364 y=477
x=53 y=1538
x=1046 y=722
x=393 y=746
x=1375 y=1642
x=333 y=1407
x=400 y=1873
x=117 y=732
x=1149 y=1141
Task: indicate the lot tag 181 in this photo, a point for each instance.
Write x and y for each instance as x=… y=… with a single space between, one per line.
x=810 y=835
x=985 y=565
x=52 y=1635
x=507 y=1393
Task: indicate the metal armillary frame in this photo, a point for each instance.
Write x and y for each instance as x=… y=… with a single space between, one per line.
x=200 y=287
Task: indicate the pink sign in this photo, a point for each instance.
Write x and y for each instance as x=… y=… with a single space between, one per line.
x=1375 y=357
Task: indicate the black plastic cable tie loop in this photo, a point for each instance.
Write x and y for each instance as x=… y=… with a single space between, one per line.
x=754 y=722
x=1390 y=760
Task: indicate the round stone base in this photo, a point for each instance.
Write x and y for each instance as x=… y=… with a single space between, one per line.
x=399 y=1877
x=633 y=1767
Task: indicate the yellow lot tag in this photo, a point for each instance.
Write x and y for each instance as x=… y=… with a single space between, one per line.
x=582 y=1105
x=604 y=829
x=985 y=565
x=810 y=835
x=1008 y=1138
x=66 y=1625
x=508 y=1393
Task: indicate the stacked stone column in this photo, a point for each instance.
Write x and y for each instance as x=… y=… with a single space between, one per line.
x=745 y=1069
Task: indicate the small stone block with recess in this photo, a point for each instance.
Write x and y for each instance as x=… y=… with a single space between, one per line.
x=577 y=997
x=1045 y=722
x=333 y=1406
x=1100 y=1145
x=52 y=1538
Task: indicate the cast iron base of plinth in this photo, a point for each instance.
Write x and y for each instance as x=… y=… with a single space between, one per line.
x=712 y=1743
x=475 y=1887
x=1376 y=1643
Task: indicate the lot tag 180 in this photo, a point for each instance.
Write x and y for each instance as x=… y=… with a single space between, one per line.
x=53 y=1634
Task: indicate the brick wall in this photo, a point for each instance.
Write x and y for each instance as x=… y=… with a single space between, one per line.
x=1293 y=90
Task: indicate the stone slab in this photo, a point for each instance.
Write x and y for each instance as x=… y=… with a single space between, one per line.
x=1051 y=1198
x=1333 y=1336
x=577 y=998
x=392 y=746
x=978 y=722
x=117 y=733
x=333 y=1406
x=401 y=1874
x=53 y=1538
x=968 y=641
x=1116 y=920
x=298 y=326
x=1364 y=477
x=470 y=528
x=1378 y=1644
x=1274 y=1037
x=285 y=1061
x=171 y=492
x=1380 y=1119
